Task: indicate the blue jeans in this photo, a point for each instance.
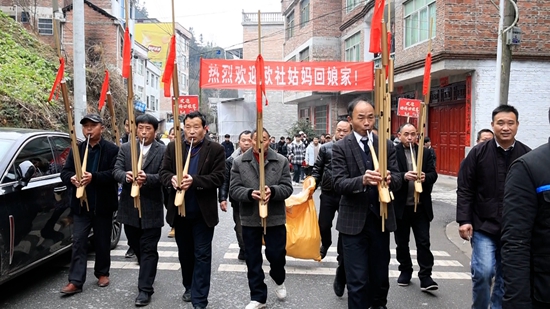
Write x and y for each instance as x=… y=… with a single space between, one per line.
x=486 y=266
x=297 y=173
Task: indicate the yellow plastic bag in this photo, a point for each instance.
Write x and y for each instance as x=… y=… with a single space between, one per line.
x=303 y=238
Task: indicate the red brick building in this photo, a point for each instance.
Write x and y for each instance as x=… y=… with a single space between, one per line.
x=464 y=45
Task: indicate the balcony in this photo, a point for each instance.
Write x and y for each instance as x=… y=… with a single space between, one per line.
x=271 y=18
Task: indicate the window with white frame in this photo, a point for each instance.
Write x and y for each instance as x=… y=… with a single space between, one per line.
x=418 y=14
x=148 y=75
x=320 y=120
x=352 y=4
x=45 y=26
x=304 y=113
x=140 y=92
x=304 y=55
x=353 y=48
x=151 y=102
x=304 y=13
x=290 y=25
x=140 y=66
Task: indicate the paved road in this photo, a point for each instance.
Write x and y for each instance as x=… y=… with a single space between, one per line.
x=309 y=283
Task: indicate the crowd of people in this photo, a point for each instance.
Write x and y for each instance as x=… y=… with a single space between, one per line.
x=503 y=207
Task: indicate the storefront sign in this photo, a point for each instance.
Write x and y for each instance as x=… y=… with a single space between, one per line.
x=408 y=107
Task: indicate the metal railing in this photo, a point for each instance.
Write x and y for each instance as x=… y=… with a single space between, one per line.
x=266 y=18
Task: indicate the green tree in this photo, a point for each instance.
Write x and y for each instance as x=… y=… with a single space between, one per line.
x=301 y=125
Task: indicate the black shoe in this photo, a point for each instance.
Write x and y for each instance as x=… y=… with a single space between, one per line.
x=323 y=252
x=427 y=284
x=130 y=253
x=198 y=307
x=339 y=282
x=143 y=299
x=186 y=296
x=242 y=255
x=404 y=278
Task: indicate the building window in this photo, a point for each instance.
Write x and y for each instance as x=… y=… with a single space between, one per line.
x=417 y=19
x=352 y=4
x=140 y=67
x=148 y=78
x=353 y=48
x=320 y=120
x=304 y=55
x=290 y=25
x=25 y=17
x=304 y=13
x=304 y=113
x=45 y=26
x=140 y=92
x=151 y=104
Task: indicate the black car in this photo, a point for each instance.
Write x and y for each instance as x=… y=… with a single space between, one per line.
x=34 y=204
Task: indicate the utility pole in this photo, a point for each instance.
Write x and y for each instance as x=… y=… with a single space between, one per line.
x=79 y=58
x=504 y=52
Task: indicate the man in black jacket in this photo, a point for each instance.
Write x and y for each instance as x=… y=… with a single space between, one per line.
x=322 y=172
x=101 y=192
x=228 y=146
x=408 y=216
x=245 y=143
x=143 y=227
x=480 y=194
x=526 y=232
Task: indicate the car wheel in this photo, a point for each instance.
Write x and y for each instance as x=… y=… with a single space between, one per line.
x=115 y=232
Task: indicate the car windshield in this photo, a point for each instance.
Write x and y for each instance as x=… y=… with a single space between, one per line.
x=5 y=145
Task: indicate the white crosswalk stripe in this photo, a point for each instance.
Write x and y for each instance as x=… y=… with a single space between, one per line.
x=444 y=266
x=328 y=265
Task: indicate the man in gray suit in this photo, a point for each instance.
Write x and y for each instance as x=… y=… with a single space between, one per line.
x=143 y=233
x=366 y=248
x=244 y=188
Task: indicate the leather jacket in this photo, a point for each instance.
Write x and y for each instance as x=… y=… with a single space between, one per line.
x=322 y=169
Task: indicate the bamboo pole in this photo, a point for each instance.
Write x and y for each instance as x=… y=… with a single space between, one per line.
x=134 y=192
x=70 y=118
x=114 y=124
x=179 y=200
x=259 y=140
x=421 y=130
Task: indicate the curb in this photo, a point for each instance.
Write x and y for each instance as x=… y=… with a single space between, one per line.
x=452 y=234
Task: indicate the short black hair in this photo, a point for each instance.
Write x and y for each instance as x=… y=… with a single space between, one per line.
x=354 y=102
x=196 y=114
x=282 y=138
x=148 y=119
x=227 y=136
x=245 y=132
x=427 y=139
x=505 y=109
x=297 y=135
x=483 y=131
x=255 y=130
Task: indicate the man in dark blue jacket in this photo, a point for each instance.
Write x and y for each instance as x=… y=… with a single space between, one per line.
x=97 y=213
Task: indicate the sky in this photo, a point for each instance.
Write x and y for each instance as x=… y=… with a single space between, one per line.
x=219 y=21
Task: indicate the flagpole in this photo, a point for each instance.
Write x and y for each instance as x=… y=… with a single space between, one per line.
x=69 y=109
x=422 y=119
x=260 y=135
x=127 y=70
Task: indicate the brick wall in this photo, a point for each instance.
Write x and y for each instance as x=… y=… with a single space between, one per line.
x=100 y=30
x=527 y=81
x=273 y=38
x=324 y=19
x=470 y=26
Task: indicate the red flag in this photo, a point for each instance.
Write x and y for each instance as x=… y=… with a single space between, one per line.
x=427 y=71
x=169 y=68
x=376 y=27
x=260 y=83
x=126 y=54
x=58 y=78
x=104 y=90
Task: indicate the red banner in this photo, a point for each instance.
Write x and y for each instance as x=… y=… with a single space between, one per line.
x=289 y=76
x=188 y=104
x=408 y=107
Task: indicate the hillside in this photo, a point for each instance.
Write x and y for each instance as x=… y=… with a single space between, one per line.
x=27 y=72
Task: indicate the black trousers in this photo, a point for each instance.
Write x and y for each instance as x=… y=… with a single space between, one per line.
x=194 y=239
x=145 y=242
x=367 y=258
x=82 y=223
x=420 y=225
x=327 y=210
x=275 y=252
x=238 y=228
